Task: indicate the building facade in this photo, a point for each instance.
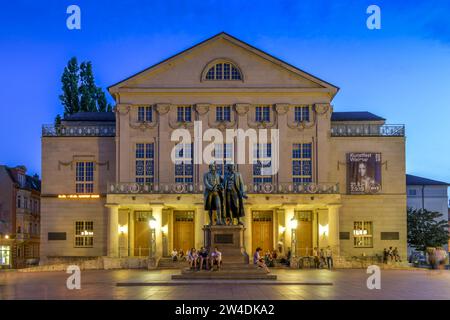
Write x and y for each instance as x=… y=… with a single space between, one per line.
x=19 y=217
x=428 y=194
x=339 y=183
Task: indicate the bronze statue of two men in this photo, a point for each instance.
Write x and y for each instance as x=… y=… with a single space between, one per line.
x=224 y=192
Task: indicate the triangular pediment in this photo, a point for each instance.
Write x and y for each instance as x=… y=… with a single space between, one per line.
x=187 y=70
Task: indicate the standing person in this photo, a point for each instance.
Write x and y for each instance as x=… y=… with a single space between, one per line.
x=385 y=255
x=432 y=257
x=329 y=255
x=321 y=258
x=259 y=261
x=316 y=254
x=216 y=258
x=204 y=258
x=396 y=255
x=391 y=253
x=441 y=256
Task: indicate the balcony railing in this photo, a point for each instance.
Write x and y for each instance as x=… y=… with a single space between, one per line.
x=185 y=188
x=103 y=130
x=367 y=130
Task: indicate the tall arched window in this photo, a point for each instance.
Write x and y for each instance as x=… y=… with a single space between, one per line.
x=222 y=70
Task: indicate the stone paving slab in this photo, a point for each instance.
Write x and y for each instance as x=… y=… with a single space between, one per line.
x=347 y=284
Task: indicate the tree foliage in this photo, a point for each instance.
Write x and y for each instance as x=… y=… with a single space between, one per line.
x=79 y=92
x=426 y=229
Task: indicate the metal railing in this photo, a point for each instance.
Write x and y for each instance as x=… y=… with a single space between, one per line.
x=103 y=130
x=367 y=130
x=185 y=188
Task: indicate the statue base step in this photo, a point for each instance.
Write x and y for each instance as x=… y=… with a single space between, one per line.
x=229 y=240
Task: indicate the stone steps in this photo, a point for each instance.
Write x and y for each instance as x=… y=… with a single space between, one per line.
x=224 y=275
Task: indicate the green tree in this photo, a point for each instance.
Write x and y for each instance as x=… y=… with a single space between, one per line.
x=88 y=89
x=426 y=229
x=102 y=104
x=57 y=120
x=70 y=97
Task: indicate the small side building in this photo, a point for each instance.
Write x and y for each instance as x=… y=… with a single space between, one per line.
x=423 y=193
x=19 y=217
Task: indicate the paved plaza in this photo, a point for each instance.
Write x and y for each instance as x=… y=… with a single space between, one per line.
x=317 y=284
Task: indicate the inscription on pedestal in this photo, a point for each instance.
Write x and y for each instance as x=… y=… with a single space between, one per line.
x=224 y=238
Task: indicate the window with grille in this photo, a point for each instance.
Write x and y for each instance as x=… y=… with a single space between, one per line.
x=84 y=234
x=262 y=164
x=262 y=114
x=363 y=234
x=145 y=114
x=223 y=71
x=302 y=162
x=84 y=177
x=223 y=155
x=184 y=113
x=184 y=168
x=302 y=113
x=223 y=113
x=145 y=162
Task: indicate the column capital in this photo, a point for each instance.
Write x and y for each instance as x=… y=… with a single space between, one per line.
x=112 y=205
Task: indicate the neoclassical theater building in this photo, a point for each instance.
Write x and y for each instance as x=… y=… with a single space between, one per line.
x=111 y=187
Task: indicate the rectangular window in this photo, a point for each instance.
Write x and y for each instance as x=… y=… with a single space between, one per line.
x=145 y=162
x=223 y=113
x=84 y=177
x=145 y=114
x=262 y=164
x=302 y=113
x=184 y=114
x=223 y=154
x=262 y=114
x=84 y=234
x=184 y=168
x=5 y=255
x=18 y=201
x=301 y=163
x=363 y=234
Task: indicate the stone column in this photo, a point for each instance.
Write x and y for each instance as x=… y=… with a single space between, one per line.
x=199 y=219
x=113 y=230
x=333 y=228
x=157 y=214
x=248 y=229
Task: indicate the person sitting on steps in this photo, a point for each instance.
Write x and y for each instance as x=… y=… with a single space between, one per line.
x=216 y=259
x=259 y=261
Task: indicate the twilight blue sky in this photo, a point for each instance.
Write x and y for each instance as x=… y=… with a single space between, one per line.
x=401 y=72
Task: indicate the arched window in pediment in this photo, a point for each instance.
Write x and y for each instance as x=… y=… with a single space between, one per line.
x=222 y=70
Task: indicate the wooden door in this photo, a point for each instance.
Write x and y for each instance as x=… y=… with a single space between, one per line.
x=141 y=233
x=262 y=230
x=304 y=233
x=183 y=230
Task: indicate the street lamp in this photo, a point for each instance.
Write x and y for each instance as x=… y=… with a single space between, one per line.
x=293 y=223
x=152 y=247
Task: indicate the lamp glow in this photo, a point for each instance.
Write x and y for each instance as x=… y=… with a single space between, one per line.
x=293 y=223
x=164 y=229
x=6 y=236
x=152 y=223
x=281 y=229
x=323 y=230
x=123 y=229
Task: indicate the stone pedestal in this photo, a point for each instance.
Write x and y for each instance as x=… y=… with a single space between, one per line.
x=229 y=240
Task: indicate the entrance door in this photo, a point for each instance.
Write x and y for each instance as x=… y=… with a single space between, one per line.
x=183 y=230
x=262 y=230
x=304 y=233
x=141 y=233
